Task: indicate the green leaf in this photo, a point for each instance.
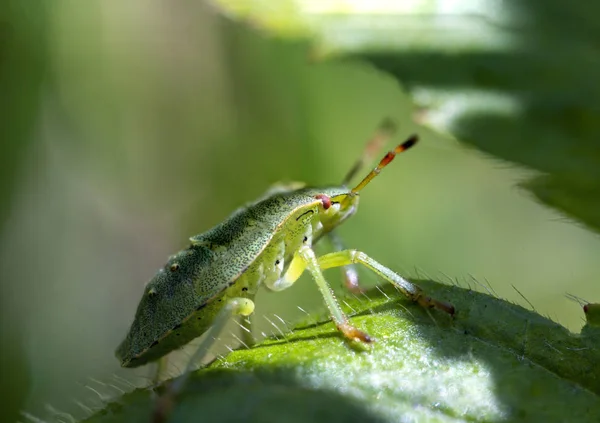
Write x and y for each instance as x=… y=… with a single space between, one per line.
x=495 y=362
x=516 y=79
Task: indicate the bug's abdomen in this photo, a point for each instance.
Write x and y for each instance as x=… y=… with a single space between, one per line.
x=201 y=319
x=192 y=327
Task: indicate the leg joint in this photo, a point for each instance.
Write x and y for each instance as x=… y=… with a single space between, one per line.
x=242 y=306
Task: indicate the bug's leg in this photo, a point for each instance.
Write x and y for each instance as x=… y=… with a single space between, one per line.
x=161 y=366
x=235 y=306
x=305 y=259
x=412 y=291
x=294 y=271
x=349 y=271
x=307 y=255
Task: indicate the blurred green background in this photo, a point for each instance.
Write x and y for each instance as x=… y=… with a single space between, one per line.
x=128 y=127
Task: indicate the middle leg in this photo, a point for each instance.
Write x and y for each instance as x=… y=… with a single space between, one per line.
x=305 y=259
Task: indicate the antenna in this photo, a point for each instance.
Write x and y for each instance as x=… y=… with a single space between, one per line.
x=386 y=130
x=387 y=159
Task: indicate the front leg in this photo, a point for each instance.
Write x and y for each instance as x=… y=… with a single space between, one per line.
x=307 y=255
x=412 y=291
x=304 y=259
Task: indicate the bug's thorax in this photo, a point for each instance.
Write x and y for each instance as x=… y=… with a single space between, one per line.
x=304 y=228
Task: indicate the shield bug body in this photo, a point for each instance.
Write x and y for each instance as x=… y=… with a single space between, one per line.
x=266 y=243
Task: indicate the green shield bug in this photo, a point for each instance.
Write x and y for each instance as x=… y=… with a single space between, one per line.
x=268 y=243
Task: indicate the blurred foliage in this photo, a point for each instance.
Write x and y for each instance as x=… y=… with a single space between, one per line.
x=22 y=67
x=482 y=365
x=131 y=127
x=516 y=79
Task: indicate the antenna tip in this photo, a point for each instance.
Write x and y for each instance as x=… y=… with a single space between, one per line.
x=412 y=140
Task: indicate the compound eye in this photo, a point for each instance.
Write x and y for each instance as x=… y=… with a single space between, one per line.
x=325 y=200
x=174 y=267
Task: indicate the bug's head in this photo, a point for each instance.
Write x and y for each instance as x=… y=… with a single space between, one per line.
x=340 y=203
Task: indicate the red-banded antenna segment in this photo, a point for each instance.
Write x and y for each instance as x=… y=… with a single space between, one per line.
x=387 y=159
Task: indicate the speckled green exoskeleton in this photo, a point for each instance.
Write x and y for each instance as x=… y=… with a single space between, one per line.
x=267 y=243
